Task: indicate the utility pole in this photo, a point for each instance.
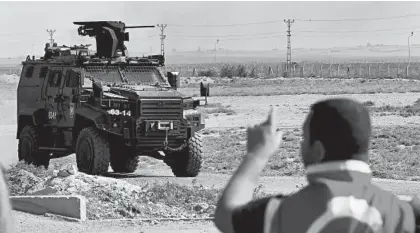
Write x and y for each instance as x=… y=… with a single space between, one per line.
x=289 y=46
x=162 y=38
x=215 y=50
x=409 y=49
x=51 y=32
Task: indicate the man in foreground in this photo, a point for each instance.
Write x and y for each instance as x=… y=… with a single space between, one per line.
x=339 y=196
x=6 y=221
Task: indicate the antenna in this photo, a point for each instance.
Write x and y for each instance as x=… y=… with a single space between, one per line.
x=162 y=38
x=51 y=32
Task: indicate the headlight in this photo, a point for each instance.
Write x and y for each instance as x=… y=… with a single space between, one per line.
x=188 y=114
x=194 y=117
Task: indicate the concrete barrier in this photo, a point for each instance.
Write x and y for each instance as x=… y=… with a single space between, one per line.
x=67 y=206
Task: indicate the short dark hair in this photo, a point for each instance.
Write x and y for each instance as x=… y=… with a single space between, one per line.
x=343 y=126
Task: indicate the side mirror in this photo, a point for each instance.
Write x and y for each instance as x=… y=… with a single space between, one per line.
x=173 y=79
x=204 y=91
x=97 y=90
x=196 y=103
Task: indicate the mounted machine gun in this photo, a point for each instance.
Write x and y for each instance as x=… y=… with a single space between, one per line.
x=109 y=35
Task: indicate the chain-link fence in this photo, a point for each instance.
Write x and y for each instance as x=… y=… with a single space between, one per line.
x=384 y=69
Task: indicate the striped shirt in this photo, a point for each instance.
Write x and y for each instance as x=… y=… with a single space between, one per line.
x=339 y=197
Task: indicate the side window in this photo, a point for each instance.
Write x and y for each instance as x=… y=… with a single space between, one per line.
x=54 y=79
x=43 y=72
x=72 y=79
x=29 y=71
x=68 y=79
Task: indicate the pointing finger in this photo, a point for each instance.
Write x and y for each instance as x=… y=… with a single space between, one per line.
x=272 y=116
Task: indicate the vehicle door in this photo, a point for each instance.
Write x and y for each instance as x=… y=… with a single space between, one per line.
x=70 y=92
x=51 y=93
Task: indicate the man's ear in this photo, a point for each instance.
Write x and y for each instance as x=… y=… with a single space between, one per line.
x=318 y=151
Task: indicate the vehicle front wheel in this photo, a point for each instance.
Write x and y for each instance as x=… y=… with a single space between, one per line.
x=123 y=159
x=92 y=152
x=187 y=162
x=28 y=148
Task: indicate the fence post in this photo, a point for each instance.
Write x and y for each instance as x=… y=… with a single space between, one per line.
x=294 y=69
x=338 y=70
x=398 y=69
x=360 y=69
x=389 y=64
x=303 y=70
x=322 y=64
x=370 y=64
x=406 y=70
x=348 y=70
x=329 y=69
x=312 y=69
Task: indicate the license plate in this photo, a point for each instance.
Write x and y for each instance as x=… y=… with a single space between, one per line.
x=168 y=125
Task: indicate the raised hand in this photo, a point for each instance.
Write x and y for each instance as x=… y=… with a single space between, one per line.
x=264 y=139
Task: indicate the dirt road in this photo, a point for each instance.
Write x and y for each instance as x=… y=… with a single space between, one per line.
x=26 y=223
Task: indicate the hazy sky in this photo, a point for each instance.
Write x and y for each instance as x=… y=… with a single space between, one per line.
x=24 y=24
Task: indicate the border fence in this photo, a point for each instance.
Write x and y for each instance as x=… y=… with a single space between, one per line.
x=385 y=69
x=382 y=69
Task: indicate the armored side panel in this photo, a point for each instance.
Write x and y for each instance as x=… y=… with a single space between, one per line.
x=173 y=79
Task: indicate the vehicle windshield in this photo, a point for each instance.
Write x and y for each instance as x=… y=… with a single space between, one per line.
x=143 y=75
x=107 y=74
x=139 y=75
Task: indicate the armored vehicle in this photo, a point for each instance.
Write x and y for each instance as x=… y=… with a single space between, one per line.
x=106 y=107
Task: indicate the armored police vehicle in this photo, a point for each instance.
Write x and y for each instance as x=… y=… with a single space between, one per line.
x=107 y=107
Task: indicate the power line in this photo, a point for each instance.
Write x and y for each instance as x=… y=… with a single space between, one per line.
x=225 y=25
x=303 y=20
x=357 y=31
x=304 y=33
x=357 y=19
x=217 y=36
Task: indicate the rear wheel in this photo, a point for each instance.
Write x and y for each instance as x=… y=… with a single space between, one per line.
x=92 y=152
x=28 y=148
x=187 y=162
x=123 y=159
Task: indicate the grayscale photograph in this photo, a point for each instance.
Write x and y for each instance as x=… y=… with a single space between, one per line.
x=209 y=116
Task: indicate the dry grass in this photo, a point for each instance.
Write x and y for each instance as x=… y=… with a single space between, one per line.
x=215 y=109
x=404 y=111
x=261 y=87
x=393 y=153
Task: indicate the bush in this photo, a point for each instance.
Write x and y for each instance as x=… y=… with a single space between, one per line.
x=241 y=71
x=208 y=73
x=227 y=71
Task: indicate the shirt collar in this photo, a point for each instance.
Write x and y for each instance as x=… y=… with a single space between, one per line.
x=348 y=171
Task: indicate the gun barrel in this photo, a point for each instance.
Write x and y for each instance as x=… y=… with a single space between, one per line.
x=152 y=26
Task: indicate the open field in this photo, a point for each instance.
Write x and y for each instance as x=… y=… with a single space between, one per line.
x=298 y=86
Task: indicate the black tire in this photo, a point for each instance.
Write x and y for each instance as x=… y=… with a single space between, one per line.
x=28 y=148
x=123 y=159
x=188 y=162
x=92 y=152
